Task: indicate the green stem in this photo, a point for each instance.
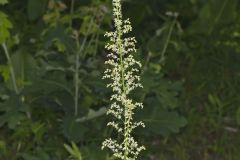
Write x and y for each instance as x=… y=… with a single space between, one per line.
x=12 y=72
x=72 y=12
x=76 y=77
x=167 y=40
x=126 y=135
x=77 y=59
x=126 y=109
x=218 y=16
x=146 y=63
x=77 y=65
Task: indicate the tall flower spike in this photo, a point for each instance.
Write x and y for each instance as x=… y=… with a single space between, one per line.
x=123 y=72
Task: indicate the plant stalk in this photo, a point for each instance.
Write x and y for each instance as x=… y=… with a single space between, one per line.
x=167 y=40
x=126 y=109
x=80 y=49
x=72 y=12
x=10 y=64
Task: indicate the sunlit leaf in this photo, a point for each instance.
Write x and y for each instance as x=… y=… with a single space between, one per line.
x=3 y=2
x=5 y=25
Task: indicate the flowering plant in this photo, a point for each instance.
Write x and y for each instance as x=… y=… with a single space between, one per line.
x=123 y=72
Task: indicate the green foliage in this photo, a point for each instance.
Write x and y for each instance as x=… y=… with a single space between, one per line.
x=74 y=152
x=162 y=122
x=215 y=14
x=5 y=25
x=4 y=69
x=190 y=78
x=73 y=130
x=12 y=111
x=36 y=9
x=238 y=116
x=2 y=2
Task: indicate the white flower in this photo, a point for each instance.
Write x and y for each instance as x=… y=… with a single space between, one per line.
x=123 y=72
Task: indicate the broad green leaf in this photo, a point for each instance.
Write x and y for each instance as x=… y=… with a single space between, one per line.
x=72 y=130
x=159 y=120
x=165 y=122
x=13 y=111
x=2 y=2
x=166 y=91
x=25 y=69
x=5 y=25
x=4 y=70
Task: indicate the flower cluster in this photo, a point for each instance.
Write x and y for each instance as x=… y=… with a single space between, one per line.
x=123 y=72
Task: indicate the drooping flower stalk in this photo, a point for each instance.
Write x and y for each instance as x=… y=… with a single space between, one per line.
x=123 y=72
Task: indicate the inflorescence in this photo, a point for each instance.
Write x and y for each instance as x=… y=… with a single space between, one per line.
x=123 y=72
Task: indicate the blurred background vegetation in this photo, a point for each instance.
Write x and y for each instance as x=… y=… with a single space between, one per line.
x=53 y=100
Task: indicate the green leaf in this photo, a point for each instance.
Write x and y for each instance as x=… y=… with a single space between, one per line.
x=5 y=25
x=166 y=91
x=39 y=154
x=69 y=149
x=25 y=69
x=4 y=70
x=165 y=122
x=58 y=33
x=2 y=2
x=36 y=8
x=3 y=147
x=93 y=151
x=13 y=112
x=215 y=14
x=159 y=120
x=72 y=130
x=74 y=151
x=92 y=114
